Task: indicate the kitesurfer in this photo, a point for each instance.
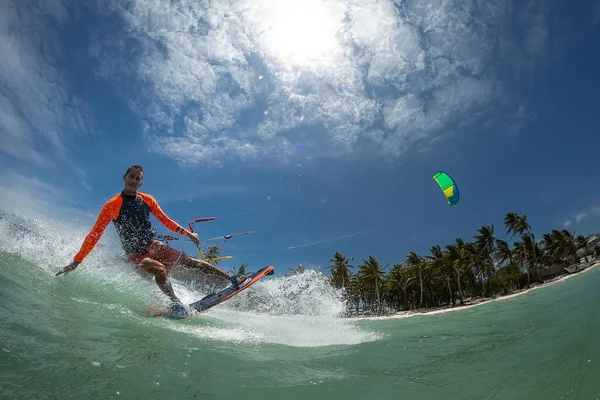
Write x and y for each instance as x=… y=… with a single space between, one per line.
x=130 y=212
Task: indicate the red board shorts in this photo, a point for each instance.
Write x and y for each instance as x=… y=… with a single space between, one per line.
x=166 y=255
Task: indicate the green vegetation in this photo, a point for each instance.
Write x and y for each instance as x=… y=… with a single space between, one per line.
x=484 y=267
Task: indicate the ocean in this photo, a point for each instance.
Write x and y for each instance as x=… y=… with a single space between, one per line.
x=89 y=335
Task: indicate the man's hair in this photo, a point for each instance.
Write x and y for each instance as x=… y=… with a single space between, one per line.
x=138 y=167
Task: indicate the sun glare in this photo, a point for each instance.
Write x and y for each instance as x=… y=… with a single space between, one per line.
x=299 y=32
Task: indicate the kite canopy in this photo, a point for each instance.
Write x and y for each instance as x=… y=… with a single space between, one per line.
x=448 y=186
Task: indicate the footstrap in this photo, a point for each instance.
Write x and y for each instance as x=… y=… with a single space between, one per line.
x=233 y=279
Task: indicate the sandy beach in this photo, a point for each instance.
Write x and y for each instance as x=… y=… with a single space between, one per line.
x=470 y=303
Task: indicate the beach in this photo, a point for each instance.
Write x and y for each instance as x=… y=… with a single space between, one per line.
x=470 y=303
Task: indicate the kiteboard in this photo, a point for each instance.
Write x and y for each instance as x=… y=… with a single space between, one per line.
x=213 y=299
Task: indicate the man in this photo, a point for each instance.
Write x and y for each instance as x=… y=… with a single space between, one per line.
x=130 y=212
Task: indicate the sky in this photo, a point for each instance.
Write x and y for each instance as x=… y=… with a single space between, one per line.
x=321 y=120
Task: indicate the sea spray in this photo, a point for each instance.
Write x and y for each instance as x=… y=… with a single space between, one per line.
x=50 y=244
x=306 y=293
x=300 y=310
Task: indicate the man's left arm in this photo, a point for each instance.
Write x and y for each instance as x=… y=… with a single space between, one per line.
x=162 y=217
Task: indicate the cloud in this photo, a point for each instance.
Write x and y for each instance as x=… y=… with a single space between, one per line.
x=593 y=211
x=31 y=196
x=36 y=110
x=250 y=79
x=589 y=212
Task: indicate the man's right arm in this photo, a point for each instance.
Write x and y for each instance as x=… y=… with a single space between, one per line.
x=109 y=211
x=95 y=233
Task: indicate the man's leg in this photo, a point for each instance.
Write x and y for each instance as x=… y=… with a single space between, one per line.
x=159 y=271
x=207 y=268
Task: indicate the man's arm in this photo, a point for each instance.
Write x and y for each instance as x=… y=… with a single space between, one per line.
x=92 y=238
x=95 y=233
x=162 y=217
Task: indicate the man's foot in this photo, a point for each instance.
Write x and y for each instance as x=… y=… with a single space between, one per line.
x=178 y=309
x=237 y=280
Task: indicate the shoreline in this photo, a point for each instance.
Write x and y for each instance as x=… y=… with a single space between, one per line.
x=470 y=303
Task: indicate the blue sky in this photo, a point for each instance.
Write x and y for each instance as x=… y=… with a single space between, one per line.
x=326 y=119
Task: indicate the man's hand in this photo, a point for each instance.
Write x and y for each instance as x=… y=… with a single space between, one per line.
x=68 y=268
x=194 y=238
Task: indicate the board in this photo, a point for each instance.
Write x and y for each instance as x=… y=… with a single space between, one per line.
x=213 y=299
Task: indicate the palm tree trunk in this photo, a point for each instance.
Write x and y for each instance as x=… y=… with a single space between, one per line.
x=421 y=281
x=482 y=285
x=460 y=294
x=450 y=291
x=526 y=266
x=533 y=254
x=377 y=294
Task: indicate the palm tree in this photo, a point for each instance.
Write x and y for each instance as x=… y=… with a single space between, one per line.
x=503 y=252
x=212 y=252
x=551 y=243
x=527 y=229
x=569 y=246
x=415 y=261
x=560 y=246
x=459 y=258
x=439 y=262
x=480 y=260
x=340 y=270
x=240 y=270
x=518 y=225
x=582 y=243
x=486 y=239
x=355 y=291
x=372 y=272
x=298 y=269
x=399 y=279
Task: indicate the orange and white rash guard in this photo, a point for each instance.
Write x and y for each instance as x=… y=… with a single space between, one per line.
x=131 y=216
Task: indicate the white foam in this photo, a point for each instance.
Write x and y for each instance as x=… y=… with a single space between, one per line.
x=300 y=310
x=297 y=310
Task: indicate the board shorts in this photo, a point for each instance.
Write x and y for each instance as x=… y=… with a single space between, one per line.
x=158 y=251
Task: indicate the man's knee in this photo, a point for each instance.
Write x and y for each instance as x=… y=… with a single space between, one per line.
x=154 y=267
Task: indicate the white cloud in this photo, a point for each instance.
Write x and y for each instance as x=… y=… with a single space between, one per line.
x=393 y=75
x=36 y=111
x=593 y=211
x=28 y=195
x=586 y=213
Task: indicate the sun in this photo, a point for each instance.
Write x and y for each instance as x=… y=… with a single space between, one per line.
x=299 y=32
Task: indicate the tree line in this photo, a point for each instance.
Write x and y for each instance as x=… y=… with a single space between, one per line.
x=483 y=267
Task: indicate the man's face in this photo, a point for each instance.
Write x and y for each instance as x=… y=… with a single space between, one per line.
x=133 y=180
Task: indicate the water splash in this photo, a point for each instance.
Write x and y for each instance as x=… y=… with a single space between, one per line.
x=300 y=310
x=308 y=293
x=50 y=244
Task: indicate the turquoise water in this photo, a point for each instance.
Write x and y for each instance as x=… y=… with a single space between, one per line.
x=89 y=336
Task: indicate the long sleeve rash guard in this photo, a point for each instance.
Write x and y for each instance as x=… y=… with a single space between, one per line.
x=131 y=216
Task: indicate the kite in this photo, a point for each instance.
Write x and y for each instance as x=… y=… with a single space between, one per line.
x=448 y=186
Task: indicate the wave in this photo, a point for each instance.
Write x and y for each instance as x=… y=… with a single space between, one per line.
x=295 y=310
